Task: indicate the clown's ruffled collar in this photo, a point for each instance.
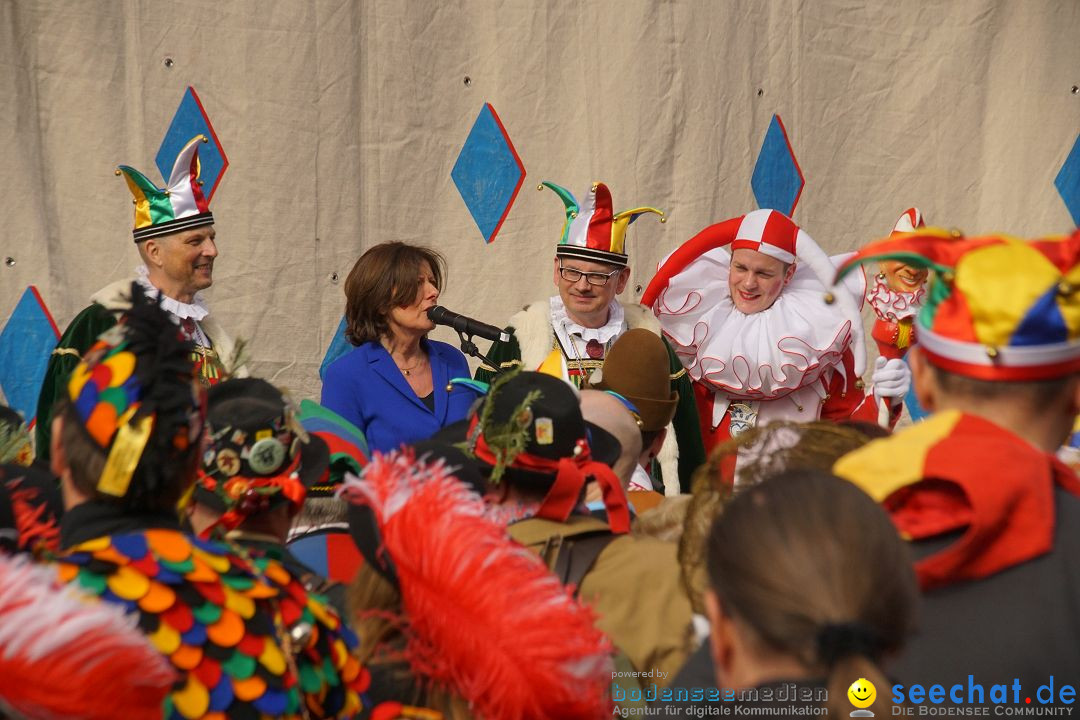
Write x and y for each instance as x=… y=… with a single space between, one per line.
x=762 y=356
x=894 y=305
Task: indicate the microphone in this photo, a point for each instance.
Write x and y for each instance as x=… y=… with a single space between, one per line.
x=441 y=316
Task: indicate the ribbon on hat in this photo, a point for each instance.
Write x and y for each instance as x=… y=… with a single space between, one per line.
x=570 y=475
x=246 y=496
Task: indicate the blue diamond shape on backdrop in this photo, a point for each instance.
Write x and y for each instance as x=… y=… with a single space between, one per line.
x=338 y=347
x=1067 y=181
x=191 y=120
x=777 y=181
x=488 y=173
x=26 y=343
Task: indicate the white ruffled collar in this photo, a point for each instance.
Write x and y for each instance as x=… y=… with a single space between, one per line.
x=894 y=305
x=762 y=356
x=196 y=310
x=604 y=334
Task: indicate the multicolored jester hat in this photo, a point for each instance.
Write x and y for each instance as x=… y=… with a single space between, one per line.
x=997 y=307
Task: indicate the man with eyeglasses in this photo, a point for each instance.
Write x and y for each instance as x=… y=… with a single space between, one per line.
x=569 y=334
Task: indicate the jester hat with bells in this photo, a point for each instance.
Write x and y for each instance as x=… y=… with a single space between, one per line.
x=592 y=231
x=997 y=307
x=180 y=205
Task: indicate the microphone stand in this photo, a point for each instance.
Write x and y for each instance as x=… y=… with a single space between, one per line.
x=469 y=348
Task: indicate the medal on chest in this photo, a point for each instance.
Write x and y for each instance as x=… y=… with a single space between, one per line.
x=743 y=417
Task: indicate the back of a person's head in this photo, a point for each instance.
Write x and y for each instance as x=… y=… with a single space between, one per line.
x=754 y=455
x=815 y=571
x=608 y=412
x=132 y=417
x=1036 y=396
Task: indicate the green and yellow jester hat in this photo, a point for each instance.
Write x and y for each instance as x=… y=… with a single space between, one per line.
x=180 y=205
x=592 y=231
x=997 y=307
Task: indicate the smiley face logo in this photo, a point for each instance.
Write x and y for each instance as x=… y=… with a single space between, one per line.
x=862 y=694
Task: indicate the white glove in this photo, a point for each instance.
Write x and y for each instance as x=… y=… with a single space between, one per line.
x=891 y=378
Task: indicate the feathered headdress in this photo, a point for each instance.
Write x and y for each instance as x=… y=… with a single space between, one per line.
x=62 y=657
x=30 y=509
x=483 y=616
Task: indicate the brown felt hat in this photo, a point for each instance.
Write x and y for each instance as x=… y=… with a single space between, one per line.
x=637 y=367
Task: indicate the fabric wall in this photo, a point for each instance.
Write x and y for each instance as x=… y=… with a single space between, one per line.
x=342 y=121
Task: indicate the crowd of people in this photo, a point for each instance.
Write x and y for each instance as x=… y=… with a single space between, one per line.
x=683 y=506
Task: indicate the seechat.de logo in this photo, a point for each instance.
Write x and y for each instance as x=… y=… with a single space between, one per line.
x=862 y=694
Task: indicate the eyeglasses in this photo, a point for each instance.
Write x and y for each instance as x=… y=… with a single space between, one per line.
x=571 y=276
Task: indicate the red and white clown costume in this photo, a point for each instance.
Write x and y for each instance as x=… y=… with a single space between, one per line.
x=800 y=359
x=895 y=309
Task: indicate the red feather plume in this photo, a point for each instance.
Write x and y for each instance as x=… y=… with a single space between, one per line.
x=484 y=617
x=65 y=657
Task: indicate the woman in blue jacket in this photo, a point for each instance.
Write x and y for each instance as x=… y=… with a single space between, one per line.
x=394 y=384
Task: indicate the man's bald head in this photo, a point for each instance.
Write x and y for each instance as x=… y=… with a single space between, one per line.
x=605 y=410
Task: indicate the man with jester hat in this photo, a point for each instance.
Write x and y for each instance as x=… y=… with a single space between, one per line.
x=174 y=233
x=569 y=334
x=762 y=335
x=242 y=634
x=991 y=515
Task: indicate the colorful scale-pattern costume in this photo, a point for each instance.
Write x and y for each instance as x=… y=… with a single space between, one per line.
x=249 y=642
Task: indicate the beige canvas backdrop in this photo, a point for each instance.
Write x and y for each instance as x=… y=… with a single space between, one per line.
x=342 y=121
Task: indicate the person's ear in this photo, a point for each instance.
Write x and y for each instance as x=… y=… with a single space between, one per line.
x=555 y=276
x=721 y=636
x=623 y=278
x=59 y=466
x=927 y=391
x=1073 y=393
x=152 y=252
x=57 y=458
x=657 y=443
x=789 y=273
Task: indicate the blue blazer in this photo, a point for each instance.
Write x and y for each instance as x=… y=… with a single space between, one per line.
x=366 y=388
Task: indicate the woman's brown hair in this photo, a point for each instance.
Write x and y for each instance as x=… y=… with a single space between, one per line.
x=383 y=278
x=815 y=570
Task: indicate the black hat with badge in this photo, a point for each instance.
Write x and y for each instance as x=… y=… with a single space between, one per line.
x=257 y=453
x=529 y=433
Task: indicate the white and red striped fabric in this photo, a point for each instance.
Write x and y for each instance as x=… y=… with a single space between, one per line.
x=909 y=221
x=769 y=233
